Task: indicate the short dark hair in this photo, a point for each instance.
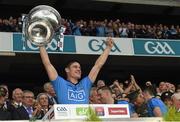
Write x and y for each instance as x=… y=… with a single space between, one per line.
x=133 y=96
x=105 y=88
x=27 y=91
x=150 y=90
x=46 y=85
x=92 y=90
x=3 y=91
x=69 y=63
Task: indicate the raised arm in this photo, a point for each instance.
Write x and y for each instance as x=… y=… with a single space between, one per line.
x=137 y=87
x=101 y=60
x=116 y=83
x=128 y=89
x=51 y=71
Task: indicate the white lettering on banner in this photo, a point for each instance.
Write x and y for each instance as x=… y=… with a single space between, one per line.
x=76 y=95
x=29 y=44
x=158 y=47
x=52 y=46
x=117 y=111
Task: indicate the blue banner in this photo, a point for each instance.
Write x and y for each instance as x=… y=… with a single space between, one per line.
x=25 y=46
x=154 y=47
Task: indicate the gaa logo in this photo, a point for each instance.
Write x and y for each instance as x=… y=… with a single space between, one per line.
x=158 y=48
x=100 y=45
x=52 y=45
x=61 y=109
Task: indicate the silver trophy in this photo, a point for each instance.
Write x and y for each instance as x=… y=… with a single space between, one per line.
x=40 y=25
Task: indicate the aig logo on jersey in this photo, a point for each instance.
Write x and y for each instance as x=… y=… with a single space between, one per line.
x=158 y=48
x=76 y=95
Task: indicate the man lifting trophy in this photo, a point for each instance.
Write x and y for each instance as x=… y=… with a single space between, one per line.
x=39 y=28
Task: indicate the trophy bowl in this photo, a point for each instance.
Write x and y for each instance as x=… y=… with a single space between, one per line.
x=40 y=25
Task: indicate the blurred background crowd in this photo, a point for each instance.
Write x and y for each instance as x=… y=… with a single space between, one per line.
x=104 y=28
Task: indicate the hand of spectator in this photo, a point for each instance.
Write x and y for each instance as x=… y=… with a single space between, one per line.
x=37 y=110
x=148 y=83
x=116 y=83
x=111 y=86
x=38 y=107
x=132 y=79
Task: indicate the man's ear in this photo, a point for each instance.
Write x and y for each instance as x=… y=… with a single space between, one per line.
x=66 y=69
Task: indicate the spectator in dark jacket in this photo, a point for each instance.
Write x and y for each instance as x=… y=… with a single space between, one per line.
x=4 y=113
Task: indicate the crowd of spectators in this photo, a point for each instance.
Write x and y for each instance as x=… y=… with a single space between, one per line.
x=121 y=29
x=153 y=100
x=149 y=101
x=11 y=24
x=104 y=28
x=24 y=104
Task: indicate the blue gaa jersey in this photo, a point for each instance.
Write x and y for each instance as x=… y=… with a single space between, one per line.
x=68 y=93
x=130 y=106
x=155 y=102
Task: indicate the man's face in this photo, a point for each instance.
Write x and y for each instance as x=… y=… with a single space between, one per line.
x=7 y=94
x=95 y=99
x=18 y=95
x=176 y=103
x=2 y=100
x=103 y=96
x=28 y=99
x=121 y=85
x=168 y=102
x=50 y=90
x=145 y=95
x=139 y=100
x=162 y=86
x=74 y=70
x=172 y=87
x=43 y=100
